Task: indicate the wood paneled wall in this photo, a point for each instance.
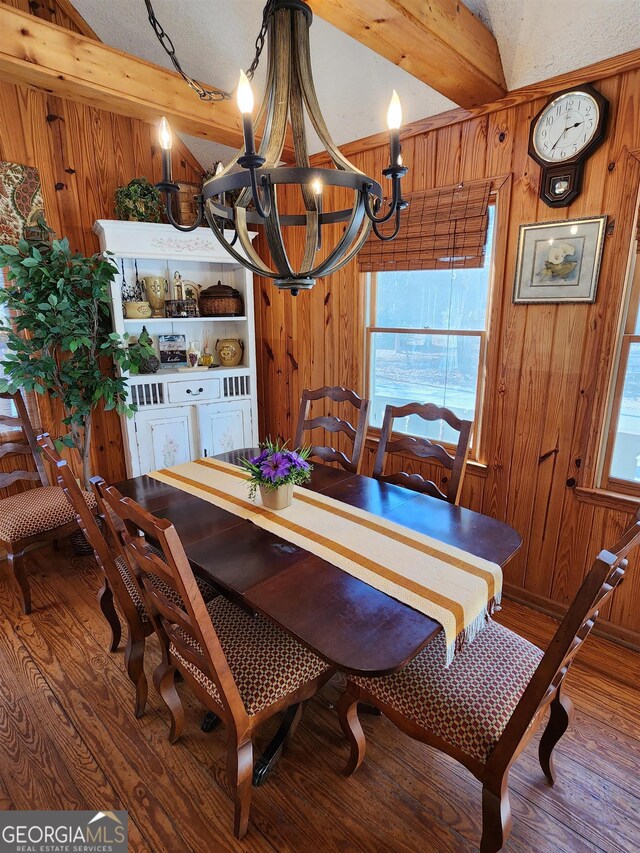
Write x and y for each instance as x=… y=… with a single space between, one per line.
x=550 y=365
x=82 y=155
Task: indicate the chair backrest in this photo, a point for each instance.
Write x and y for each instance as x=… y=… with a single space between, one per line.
x=104 y=554
x=169 y=618
x=27 y=447
x=424 y=448
x=602 y=579
x=332 y=423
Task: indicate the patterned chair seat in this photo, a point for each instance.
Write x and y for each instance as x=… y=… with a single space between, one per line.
x=37 y=511
x=208 y=592
x=468 y=704
x=266 y=663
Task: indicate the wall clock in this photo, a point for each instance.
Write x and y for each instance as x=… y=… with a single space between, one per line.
x=566 y=131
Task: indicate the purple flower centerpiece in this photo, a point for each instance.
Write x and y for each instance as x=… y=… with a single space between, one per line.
x=275 y=471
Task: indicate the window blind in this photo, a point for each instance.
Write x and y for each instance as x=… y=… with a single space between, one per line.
x=443 y=228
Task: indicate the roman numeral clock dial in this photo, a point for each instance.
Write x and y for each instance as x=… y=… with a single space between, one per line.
x=566 y=131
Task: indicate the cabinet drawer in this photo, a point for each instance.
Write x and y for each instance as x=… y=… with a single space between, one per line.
x=196 y=389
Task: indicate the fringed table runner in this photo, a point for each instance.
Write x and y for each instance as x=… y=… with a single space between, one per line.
x=449 y=585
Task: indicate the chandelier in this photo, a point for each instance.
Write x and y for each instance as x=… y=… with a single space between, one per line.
x=257 y=177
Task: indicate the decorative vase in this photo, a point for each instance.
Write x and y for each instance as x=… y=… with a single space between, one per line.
x=229 y=351
x=156 y=289
x=193 y=354
x=279 y=498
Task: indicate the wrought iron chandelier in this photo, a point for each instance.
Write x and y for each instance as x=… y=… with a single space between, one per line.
x=258 y=176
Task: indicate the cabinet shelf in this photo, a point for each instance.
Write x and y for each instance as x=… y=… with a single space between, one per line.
x=145 y=320
x=170 y=424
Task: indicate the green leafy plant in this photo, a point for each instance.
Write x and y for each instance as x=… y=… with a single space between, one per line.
x=59 y=339
x=139 y=201
x=276 y=466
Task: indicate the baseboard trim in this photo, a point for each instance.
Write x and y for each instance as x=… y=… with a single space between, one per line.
x=607 y=630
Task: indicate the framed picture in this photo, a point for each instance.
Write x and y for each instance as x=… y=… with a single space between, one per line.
x=173 y=350
x=559 y=261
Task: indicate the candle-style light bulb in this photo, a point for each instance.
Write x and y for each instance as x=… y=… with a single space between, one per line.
x=394 y=113
x=164 y=134
x=244 y=97
x=244 y=94
x=219 y=167
x=166 y=139
x=394 y=120
x=316 y=186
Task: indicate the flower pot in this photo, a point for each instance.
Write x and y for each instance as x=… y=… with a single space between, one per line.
x=136 y=310
x=277 y=498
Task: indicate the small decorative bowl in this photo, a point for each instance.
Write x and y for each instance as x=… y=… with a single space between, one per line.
x=137 y=310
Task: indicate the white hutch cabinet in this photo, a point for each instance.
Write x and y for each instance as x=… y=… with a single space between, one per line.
x=183 y=415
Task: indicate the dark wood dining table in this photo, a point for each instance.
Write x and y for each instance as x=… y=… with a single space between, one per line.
x=354 y=627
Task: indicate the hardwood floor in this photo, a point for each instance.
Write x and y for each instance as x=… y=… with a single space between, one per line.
x=68 y=739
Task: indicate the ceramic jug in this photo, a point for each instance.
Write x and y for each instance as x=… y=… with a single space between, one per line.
x=229 y=351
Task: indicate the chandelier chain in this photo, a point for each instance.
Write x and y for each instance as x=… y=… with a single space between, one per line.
x=204 y=93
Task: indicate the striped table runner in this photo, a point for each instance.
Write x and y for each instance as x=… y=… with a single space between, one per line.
x=453 y=587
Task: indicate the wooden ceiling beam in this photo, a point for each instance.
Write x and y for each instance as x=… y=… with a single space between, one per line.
x=440 y=42
x=44 y=56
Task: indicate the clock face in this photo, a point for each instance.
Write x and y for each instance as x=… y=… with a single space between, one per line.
x=566 y=127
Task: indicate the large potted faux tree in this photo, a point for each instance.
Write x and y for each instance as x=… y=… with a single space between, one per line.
x=59 y=337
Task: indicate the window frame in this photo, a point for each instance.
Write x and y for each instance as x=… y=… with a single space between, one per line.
x=625 y=338
x=495 y=263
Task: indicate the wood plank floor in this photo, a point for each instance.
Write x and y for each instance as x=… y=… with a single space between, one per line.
x=68 y=739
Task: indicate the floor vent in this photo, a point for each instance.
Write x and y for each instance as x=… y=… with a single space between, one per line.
x=149 y=394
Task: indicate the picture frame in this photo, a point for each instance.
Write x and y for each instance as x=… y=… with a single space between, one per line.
x=559 y=261
x=173 y=350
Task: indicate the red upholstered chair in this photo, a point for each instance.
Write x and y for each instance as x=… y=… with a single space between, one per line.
x=424 y=448
x=333 y=424
x=241 y=666
x=486 y=706
x=36 y=515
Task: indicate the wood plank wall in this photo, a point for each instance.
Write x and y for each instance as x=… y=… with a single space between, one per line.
x=549 y=365
x=82 y=154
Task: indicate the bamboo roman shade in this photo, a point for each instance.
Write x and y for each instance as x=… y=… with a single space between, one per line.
x=443 y=228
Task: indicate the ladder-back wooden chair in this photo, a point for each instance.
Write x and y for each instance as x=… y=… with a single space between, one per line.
x=333 y=424
x=118 y=580
x=424 y=448
x=486 y=706
x=241 y=666
x=36 y=515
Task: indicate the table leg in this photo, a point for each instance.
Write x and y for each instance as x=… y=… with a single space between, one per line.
x=269 y=758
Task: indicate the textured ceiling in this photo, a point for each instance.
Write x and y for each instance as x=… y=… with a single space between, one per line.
x=214 y=38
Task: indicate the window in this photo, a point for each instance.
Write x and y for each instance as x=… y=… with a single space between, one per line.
x=426 y=339
x=622 y=457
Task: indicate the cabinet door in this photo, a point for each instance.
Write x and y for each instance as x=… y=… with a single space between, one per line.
x=164 y=437
x=224 y=427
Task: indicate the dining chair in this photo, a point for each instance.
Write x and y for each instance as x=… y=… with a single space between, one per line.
x=118 y=581
x=36 y=515
x=240 y=665
x=424 y=448
x=486 y=706
x=334 y=424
